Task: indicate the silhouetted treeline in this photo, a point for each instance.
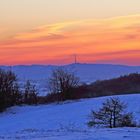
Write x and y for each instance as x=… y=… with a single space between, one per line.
x=10 y=93
x=123 y=85
x=63 y=85
x=127 y=84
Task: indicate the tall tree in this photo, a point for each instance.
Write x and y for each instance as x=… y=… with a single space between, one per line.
x=62 y=82
x=8 y=88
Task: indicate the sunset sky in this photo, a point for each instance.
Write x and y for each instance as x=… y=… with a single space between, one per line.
x=53 y=31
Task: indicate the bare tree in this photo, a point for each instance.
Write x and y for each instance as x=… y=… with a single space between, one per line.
x=9 y=91
x=30 y=93
x=111 y=113
x=62 y=82
x=16 y=96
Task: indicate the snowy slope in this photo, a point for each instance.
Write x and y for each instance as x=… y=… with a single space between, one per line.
x=64 y=121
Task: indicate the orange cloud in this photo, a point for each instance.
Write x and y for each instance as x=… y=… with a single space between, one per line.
x=114 y=40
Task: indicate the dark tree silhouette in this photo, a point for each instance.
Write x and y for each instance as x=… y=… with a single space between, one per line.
x=62 y=82
x=30 y=93
x=9 y=91
x=112 y=114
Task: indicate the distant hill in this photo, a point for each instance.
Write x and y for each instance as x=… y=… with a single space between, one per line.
x=86 y=72
x=127 y=84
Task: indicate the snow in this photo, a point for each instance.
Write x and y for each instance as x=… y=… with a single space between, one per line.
x=67 y=120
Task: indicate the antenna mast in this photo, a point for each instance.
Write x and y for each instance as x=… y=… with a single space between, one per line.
x=75 y=58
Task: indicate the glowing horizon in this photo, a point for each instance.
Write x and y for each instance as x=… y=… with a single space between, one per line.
x=104 y=38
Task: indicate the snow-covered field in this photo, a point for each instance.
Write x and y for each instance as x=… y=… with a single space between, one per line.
x=65 y=121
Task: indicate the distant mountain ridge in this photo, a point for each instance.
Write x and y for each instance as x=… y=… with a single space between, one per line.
x=86 y=72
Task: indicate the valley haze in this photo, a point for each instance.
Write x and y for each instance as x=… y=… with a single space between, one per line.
x=88 y=73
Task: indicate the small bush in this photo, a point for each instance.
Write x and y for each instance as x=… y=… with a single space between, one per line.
x=127 y=120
